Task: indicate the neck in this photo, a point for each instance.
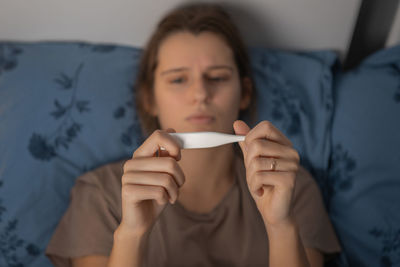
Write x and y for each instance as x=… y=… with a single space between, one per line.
x=207 y=170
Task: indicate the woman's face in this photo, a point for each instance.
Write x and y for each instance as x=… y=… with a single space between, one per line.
x=197 y=86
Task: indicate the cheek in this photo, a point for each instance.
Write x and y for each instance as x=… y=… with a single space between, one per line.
x=229 y=99
x=167 y=104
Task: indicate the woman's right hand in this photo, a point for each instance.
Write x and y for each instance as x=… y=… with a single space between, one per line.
x=149 y=181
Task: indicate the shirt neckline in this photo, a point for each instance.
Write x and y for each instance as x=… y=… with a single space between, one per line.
x=209 y=215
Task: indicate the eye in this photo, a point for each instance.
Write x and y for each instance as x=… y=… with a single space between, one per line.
x=178 y=80
x=217 y=79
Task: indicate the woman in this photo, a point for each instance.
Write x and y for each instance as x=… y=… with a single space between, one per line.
x=198 y=207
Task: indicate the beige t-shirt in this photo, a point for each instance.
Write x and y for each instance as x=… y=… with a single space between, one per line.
x=232 y=234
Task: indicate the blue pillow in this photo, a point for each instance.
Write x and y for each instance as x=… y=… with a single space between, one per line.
x=295 y=94
x=66 y=108
x=364 y=174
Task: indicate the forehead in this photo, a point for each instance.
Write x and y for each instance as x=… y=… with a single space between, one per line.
x=185 y=49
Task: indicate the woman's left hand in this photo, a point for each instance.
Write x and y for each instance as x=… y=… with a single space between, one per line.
x=271 y=168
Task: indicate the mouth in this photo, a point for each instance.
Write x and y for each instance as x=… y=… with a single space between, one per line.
x=200 y=119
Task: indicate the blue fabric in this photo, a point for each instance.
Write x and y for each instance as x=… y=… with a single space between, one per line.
x=364 y=174
x=295 y=94
x=66 y=108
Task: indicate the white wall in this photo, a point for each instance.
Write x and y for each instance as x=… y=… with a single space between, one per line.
x=286 y=24
x=394 y=35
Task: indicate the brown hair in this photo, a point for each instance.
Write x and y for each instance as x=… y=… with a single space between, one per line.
x=193 y=18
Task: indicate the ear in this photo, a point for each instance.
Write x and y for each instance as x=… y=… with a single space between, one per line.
x=247 y=92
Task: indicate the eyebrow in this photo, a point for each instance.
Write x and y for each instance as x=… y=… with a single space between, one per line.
x=209 y=68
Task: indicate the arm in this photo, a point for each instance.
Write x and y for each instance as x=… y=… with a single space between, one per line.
x=127 y=249
x=286 y=248
x=148 y=183
x=271 y=171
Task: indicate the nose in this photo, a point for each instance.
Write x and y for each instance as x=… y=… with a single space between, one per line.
x=200 y=91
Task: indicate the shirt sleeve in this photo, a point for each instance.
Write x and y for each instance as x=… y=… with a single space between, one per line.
x=87 y=226
x=316 y=230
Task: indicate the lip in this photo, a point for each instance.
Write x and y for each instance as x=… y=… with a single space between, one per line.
x=200 y=118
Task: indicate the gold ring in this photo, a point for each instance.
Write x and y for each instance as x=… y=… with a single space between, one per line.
x=273 y=165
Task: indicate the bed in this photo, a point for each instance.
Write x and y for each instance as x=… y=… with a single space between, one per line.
x=327 y=75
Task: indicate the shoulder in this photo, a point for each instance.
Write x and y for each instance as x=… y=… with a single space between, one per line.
x=309 y=210
x=307 y=194
x=104 y=179
x=103 y=175
x=305 y=181
x=304 y=178
x=93 y=214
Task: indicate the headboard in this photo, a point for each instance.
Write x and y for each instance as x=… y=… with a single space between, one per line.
x=283 y=24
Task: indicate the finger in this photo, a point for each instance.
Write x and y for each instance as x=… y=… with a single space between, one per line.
x=161 y=150
x=158 y=139
x=271 y=164
x=241 y=128
x=281 y=181
x=266 y=130
x=162 y=164
x=152 y=178
x=265 y=148
x=136 y=193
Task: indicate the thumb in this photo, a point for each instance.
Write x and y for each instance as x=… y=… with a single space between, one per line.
x=241 y=128
x=170 y=130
